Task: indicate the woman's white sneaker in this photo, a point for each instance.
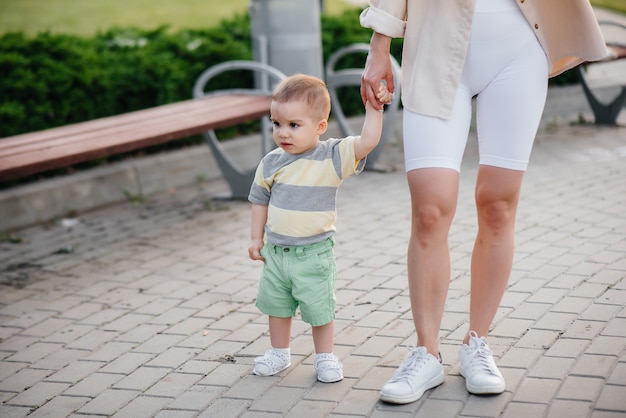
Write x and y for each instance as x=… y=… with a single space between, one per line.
x=418 y=372
x=478 y=367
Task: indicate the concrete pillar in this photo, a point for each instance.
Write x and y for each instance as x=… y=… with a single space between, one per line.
x=286 y=34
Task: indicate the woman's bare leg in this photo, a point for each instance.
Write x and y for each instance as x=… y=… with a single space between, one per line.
x=434 y=194
x=497 y=197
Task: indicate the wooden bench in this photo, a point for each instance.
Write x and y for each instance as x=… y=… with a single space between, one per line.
x=36 y=152
x=605 y=113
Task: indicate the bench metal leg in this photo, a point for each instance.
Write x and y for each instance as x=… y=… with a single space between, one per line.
x=605 y=114
x=238 y=179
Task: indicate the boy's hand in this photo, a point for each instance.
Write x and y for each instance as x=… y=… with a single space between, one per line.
x=383 y=95
x=254 y=250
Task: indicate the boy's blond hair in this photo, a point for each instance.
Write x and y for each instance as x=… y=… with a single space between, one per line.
x=306 y=88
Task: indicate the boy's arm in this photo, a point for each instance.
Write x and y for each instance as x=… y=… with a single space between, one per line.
x=257 y=230
x=372 y=126
x=370 y=133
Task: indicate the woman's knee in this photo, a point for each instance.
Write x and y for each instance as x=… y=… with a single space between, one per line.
x=431 y=216
x=497 y=196
x=496 y=212
x=433 y=198
x=430 y=225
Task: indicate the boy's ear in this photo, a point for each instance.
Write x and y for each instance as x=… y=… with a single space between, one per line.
x=322 y=126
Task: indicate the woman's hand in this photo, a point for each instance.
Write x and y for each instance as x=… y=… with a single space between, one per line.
x=377 y=68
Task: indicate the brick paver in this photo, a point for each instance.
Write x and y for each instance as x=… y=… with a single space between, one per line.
x=148 y=310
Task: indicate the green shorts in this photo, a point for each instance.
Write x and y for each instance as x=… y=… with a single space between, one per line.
x=299 y=276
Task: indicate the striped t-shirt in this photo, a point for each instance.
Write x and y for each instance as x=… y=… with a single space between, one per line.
x=301 y=190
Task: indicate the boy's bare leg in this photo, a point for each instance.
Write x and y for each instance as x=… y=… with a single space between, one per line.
x=324 y=337
x=280 y=332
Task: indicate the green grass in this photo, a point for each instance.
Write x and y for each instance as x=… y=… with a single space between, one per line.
x=87 y=17
x=615 y=5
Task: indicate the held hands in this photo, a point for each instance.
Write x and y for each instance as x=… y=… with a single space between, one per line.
x=377 y=68
x=383 y=95
x=254 y=250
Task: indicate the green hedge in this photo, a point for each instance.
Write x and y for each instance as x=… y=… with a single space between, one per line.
x=54 y=80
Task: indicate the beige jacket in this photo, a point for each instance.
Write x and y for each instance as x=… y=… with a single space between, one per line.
x=436 y=35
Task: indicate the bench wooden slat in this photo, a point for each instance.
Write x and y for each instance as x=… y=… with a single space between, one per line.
x=183 y=117
x=206 y=107
x=617 y=51
x=30 y=153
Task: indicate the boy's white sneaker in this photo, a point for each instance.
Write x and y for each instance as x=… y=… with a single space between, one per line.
x=418 y=372
x=271 y=363
x=478 y=367
x=328 y=368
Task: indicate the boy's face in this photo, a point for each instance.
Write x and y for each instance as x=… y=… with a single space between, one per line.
x=296 y=129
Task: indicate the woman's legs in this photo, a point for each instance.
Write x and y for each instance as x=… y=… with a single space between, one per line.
x=433 y=150
x=433 y=200
x=506 y=70
x=497 y=196
x=508 y=113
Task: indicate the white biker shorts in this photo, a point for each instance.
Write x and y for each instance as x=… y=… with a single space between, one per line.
x=506 y=69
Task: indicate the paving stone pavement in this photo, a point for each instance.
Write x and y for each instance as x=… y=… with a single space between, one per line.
x=147 y=309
